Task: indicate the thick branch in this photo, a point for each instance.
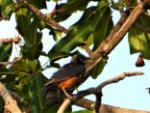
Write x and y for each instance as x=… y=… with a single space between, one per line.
x=85 y=103
x=10 y=104
x=116 y=35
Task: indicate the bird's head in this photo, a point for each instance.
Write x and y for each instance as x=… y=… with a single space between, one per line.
x=79 y=59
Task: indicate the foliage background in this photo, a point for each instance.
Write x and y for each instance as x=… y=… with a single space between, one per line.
x=128 y=93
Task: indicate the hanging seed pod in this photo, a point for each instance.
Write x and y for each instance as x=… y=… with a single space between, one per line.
x=140 y=62
x=148 y=89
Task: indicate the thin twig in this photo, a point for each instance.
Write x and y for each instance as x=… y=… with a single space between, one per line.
x=10 y=104
x=3 y=18
x=116 y=79
x=15 y=40
x=17 y=59
x=50 y=22
x=64 y=106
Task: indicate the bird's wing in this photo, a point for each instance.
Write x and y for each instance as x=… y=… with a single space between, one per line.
x=66 y=72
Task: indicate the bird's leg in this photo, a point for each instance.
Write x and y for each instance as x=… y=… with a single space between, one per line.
x=67 y=94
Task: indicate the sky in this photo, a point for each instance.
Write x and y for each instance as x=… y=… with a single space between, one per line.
x=128 y=93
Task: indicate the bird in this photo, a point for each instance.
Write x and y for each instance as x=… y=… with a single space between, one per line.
x=68 y=77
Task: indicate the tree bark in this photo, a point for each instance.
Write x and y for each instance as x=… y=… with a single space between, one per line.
x=10 y=104
x=85 y=103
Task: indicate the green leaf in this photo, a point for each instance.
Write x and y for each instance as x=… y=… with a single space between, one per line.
x=36 y=99
x=7 y=7
x=23 y=71
x=32 y=51
x=64 y=10
x=83 y=111
x=80 y=32
x=117 y=6
x=23 y=18
x=133 y=3
x=55 y=0
x=1 y=104
x=52 y=109
x=103 y=28
x=26 y=66
x=27 y=78
x=38 y=3
x=143 y=20
x=68 y=43
x=56 y=34
x=5 y=52
x=98 y=69
x=28 y=26
x=139 y=40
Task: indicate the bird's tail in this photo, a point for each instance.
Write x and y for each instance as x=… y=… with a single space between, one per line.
x=52 y=95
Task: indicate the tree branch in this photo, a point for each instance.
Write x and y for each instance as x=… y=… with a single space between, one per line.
x=108 y=45
x=98 y=102
x=10 y=104
x=116 y=35
x=98 y=89
x=103 y=50
x=88 y=104
x=16 y=40
x=39 y=14
x=64 y=106
x=3 y=18
x=118 y=78
x=17 y=59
